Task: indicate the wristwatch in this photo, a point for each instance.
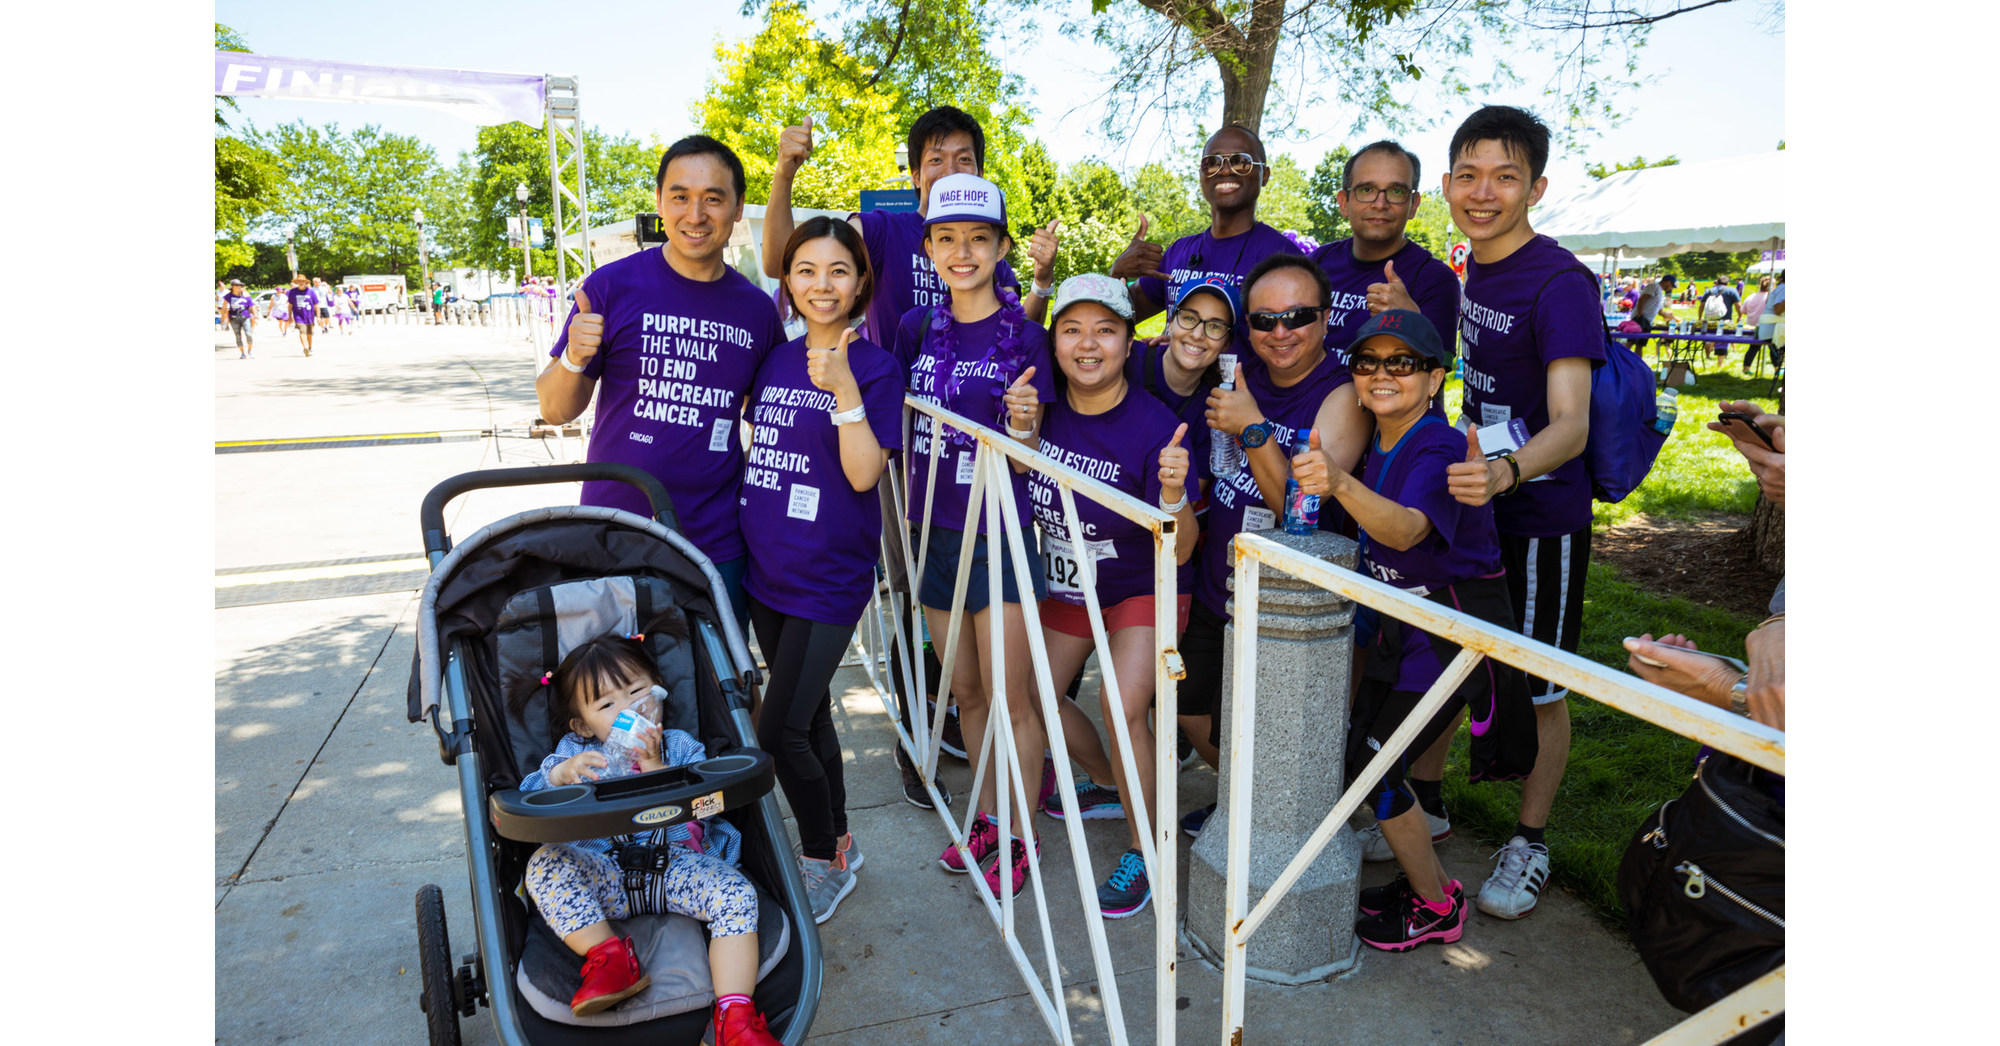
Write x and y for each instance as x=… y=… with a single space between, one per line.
x=1257 y=435
x=1739 y=696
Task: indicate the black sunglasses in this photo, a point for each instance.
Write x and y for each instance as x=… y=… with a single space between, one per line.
x=1398 y=366
x=1293 y=319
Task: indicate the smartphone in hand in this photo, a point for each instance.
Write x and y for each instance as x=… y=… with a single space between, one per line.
x=1748 y=421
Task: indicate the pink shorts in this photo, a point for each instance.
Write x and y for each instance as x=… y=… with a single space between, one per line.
x=1136 y=612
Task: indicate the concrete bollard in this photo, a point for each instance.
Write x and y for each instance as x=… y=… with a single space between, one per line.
x=1305 y=650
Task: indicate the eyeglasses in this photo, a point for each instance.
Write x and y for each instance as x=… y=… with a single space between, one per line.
x=1238 y=163
x=1188 y=319
x=1293 y=319
x=1368 y=193
x=1398 y=366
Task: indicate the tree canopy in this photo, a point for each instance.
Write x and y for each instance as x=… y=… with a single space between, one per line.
x=1637 y=163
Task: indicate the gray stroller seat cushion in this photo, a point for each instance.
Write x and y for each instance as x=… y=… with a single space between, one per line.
x=673 y=949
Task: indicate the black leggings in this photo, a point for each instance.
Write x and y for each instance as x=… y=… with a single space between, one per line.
x=796 y=724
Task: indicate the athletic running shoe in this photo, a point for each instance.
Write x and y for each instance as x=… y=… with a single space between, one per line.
x=1376 y=848
x=1189 y=756
x=1127 y=891
x=1094 y=802
x=983 y=839
x=1414 y=922
x=1193 y=820
x=1388 y=896
x=848 y=857
x=1048 y=780
x=1017 y=859
x=953 y=741
x=913 y=783
x=826 y=884
x=1515 y=886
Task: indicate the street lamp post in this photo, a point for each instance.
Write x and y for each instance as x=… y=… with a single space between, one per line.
x=521 y=208
x=424 y=263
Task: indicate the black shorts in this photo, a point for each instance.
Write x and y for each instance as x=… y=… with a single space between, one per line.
x=941 y=570
x=1545 y=583
x=1201 y=654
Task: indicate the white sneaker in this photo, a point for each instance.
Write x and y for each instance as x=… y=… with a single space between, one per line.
x=1516 y=883
x=1376 y=848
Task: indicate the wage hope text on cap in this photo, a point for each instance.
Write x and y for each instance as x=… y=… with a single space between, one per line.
x=966 y=198
x=1092 y=287
x=1218 y=286
x=1410 y=328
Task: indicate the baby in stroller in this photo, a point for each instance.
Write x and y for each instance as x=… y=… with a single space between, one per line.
x=689 y=869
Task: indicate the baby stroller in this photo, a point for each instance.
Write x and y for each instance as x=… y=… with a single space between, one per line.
x=498 y=612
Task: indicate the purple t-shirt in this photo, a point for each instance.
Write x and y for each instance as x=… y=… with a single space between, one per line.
x=1196 y=258
x=1431 y=282
x=1518 y=315
x=1144 y=362
x=1289 y=410
x=673 y=369
x=241 y=306
x=814 y=538
x=904 y=277
x=1120 y=448
x=978 y=399
x=300 y=301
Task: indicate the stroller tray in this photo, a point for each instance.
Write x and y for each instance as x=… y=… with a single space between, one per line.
x=638 y=803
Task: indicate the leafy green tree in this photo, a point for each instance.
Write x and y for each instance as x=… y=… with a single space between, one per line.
x=1431 y=227
x=472 y=226
x=1637 y=163
x=1169 y=196
x=347 y=200
x=1323 y=218
x=1709 y=265
x=1286 y=201
x=243 y=174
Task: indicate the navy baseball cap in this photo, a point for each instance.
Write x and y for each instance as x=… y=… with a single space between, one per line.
x=1217 y=286
x=1410 y=328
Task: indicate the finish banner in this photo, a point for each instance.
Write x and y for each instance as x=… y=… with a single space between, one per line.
x=483 y=98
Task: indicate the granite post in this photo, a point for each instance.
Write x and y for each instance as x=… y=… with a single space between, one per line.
x=1304 y=665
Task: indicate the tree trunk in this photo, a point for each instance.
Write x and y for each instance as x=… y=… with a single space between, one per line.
x=1767 y=535
x=1243 y=59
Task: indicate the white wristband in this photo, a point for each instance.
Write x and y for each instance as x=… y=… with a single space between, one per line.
x=1019 y=433
x=1043 y=292
x=567 y=365
x=848 y=417
x=1178 y=505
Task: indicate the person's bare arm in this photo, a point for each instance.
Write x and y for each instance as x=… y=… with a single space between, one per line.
x=1387 y=522
x=794 y=149
x=560 y=393
x=1568 y=430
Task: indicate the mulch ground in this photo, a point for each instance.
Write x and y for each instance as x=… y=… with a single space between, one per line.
x=1707 y=561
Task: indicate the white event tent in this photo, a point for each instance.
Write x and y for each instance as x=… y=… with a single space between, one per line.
x=1737 y=204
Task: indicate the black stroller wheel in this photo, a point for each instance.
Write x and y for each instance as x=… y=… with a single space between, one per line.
x=434 y=962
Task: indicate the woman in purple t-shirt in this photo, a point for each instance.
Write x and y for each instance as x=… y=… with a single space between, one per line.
x=979 y=356
x=1131 y=442
x=1417 y=537
x=824 y=410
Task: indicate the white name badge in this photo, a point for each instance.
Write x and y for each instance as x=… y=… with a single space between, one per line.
x=965 y=467
x=804 y=504
x=1494 y=414
x=1061 y=565
x=719 y=439
x=1257 y=517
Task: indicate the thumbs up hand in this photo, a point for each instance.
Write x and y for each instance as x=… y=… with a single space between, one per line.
x=586 y=331
x=1042 y=251
x=829 y=370
x=1310 y=467
x=1473 y=481
x=1174 y=467
x=1024 y=406
x=1390 y=293
x=795 y=147
x=1141 y=257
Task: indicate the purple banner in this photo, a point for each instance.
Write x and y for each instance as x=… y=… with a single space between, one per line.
x=483 y=98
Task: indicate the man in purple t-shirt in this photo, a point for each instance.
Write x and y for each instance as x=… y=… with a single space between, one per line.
x=677 y=337
x=1532 y=332
x=1379 y=268
x=1233 y=173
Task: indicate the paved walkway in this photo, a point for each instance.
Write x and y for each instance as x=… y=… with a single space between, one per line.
x=331 y=809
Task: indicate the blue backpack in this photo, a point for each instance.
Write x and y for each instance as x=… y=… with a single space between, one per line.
x=1623 y=441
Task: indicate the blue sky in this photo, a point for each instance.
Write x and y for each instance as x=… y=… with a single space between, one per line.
x=1720 y=89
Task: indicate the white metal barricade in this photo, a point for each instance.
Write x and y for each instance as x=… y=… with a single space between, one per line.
x=892 y=627
x=1718 y=728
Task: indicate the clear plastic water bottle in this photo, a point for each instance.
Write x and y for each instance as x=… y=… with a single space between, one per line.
x=1225 y=455
x=1301 y=508
x=622 y=748
x=1666 y=408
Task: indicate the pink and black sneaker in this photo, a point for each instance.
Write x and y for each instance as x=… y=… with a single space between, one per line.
x=982 y=840
x=1414 y=922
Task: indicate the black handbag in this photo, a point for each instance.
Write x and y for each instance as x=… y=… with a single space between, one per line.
x=1703 y=884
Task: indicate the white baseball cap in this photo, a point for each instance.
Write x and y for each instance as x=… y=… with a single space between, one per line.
x=966 y=198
